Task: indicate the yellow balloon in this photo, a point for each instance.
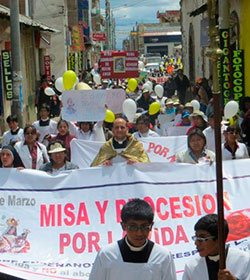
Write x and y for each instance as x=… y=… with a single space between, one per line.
x=154 y=108
x=83 y=86
x=132 y=84
x=127 y=90
x=110 y=116
x=69 y=79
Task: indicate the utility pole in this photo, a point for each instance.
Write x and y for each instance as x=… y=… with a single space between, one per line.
x=107 y=17
x=16 y=59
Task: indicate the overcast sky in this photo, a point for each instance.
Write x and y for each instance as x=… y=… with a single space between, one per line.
x=128 y=12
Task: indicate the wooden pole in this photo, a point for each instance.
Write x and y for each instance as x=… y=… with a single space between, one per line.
x=214 y=54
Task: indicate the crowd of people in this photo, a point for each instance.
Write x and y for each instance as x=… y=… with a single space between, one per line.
x=45 y=145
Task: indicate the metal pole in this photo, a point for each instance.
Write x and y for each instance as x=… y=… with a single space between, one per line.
x=214 y=54
x=16 y=59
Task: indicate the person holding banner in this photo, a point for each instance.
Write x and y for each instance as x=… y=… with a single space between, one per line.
x=196 y=152
x=121 y=147
x=206 y=265
x=58 y=162
x=143 y=124
x=134 y=256
x=9 y=158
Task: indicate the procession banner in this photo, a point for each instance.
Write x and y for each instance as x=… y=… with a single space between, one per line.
x=119 y=64
x=89 y=105
x=159 y=149
x=53 y=226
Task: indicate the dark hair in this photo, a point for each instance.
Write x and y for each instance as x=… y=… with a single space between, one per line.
x=12 y=118
x=62 y=121
x=137 y=209
x=233 y=128
x=144 y=119
x=244 y=100
x=29 y=126
x=197 y=132
x=210 y=223
x=45 y=106
x=90 y=125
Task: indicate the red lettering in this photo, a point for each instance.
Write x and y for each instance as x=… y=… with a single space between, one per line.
x=164 y=152
x=79 y=239
x=93 y=239
x=82 y=215
x=67 y=211
x=205 y=198
x=156 y=232
x=47 y=218
x=59 y=215
x=186 y=201
x=180 y=235
x=197 y=204
x=118 y=206
x=150 y=146
x=160 y=201
x=110 y=237
x=174 y=207
x=102 y=210
x=64 y=241
x=226 y=201
x=164 y=232
x=157 y=149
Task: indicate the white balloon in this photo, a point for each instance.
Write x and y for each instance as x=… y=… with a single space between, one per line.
x=147 y=86
x=97 y=79
x=195 y=104
x=150 y=85
x=129 y=109
x=159 y=90
x=59 y=84
x=231 y=109
x=49 y=91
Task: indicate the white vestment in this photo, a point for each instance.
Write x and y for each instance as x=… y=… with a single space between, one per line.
x=109 y=265
x=237 y=261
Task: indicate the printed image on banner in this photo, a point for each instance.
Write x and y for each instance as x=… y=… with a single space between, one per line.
x=51 y=227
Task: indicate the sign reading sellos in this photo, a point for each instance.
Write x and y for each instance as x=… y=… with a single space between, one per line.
x=7 y=74
x=119 y=64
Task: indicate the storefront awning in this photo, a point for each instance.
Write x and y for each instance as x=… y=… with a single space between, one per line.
x=28 y=21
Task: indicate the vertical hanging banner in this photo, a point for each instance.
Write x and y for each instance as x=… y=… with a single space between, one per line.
x=80 y=61
x=225 y=75
x=47 y=69
x=119 y=64
x=7 y=74
x=77 y=38
x=72 y=61
x=238 y=80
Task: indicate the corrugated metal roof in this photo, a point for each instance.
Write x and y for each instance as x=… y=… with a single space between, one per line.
x=28 y=21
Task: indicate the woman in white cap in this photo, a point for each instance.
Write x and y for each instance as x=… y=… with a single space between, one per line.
x=58 y=162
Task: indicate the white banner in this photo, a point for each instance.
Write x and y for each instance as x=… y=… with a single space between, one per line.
x=52 y=226
x=159 y=149
x=89 y=105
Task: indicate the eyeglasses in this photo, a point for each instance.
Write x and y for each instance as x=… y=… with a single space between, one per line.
x=202 y=239
x=136 y=228
x=30 y=133
x=233 y=132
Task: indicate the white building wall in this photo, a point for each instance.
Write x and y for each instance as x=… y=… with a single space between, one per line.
x=54 y=13
x=201 y=62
